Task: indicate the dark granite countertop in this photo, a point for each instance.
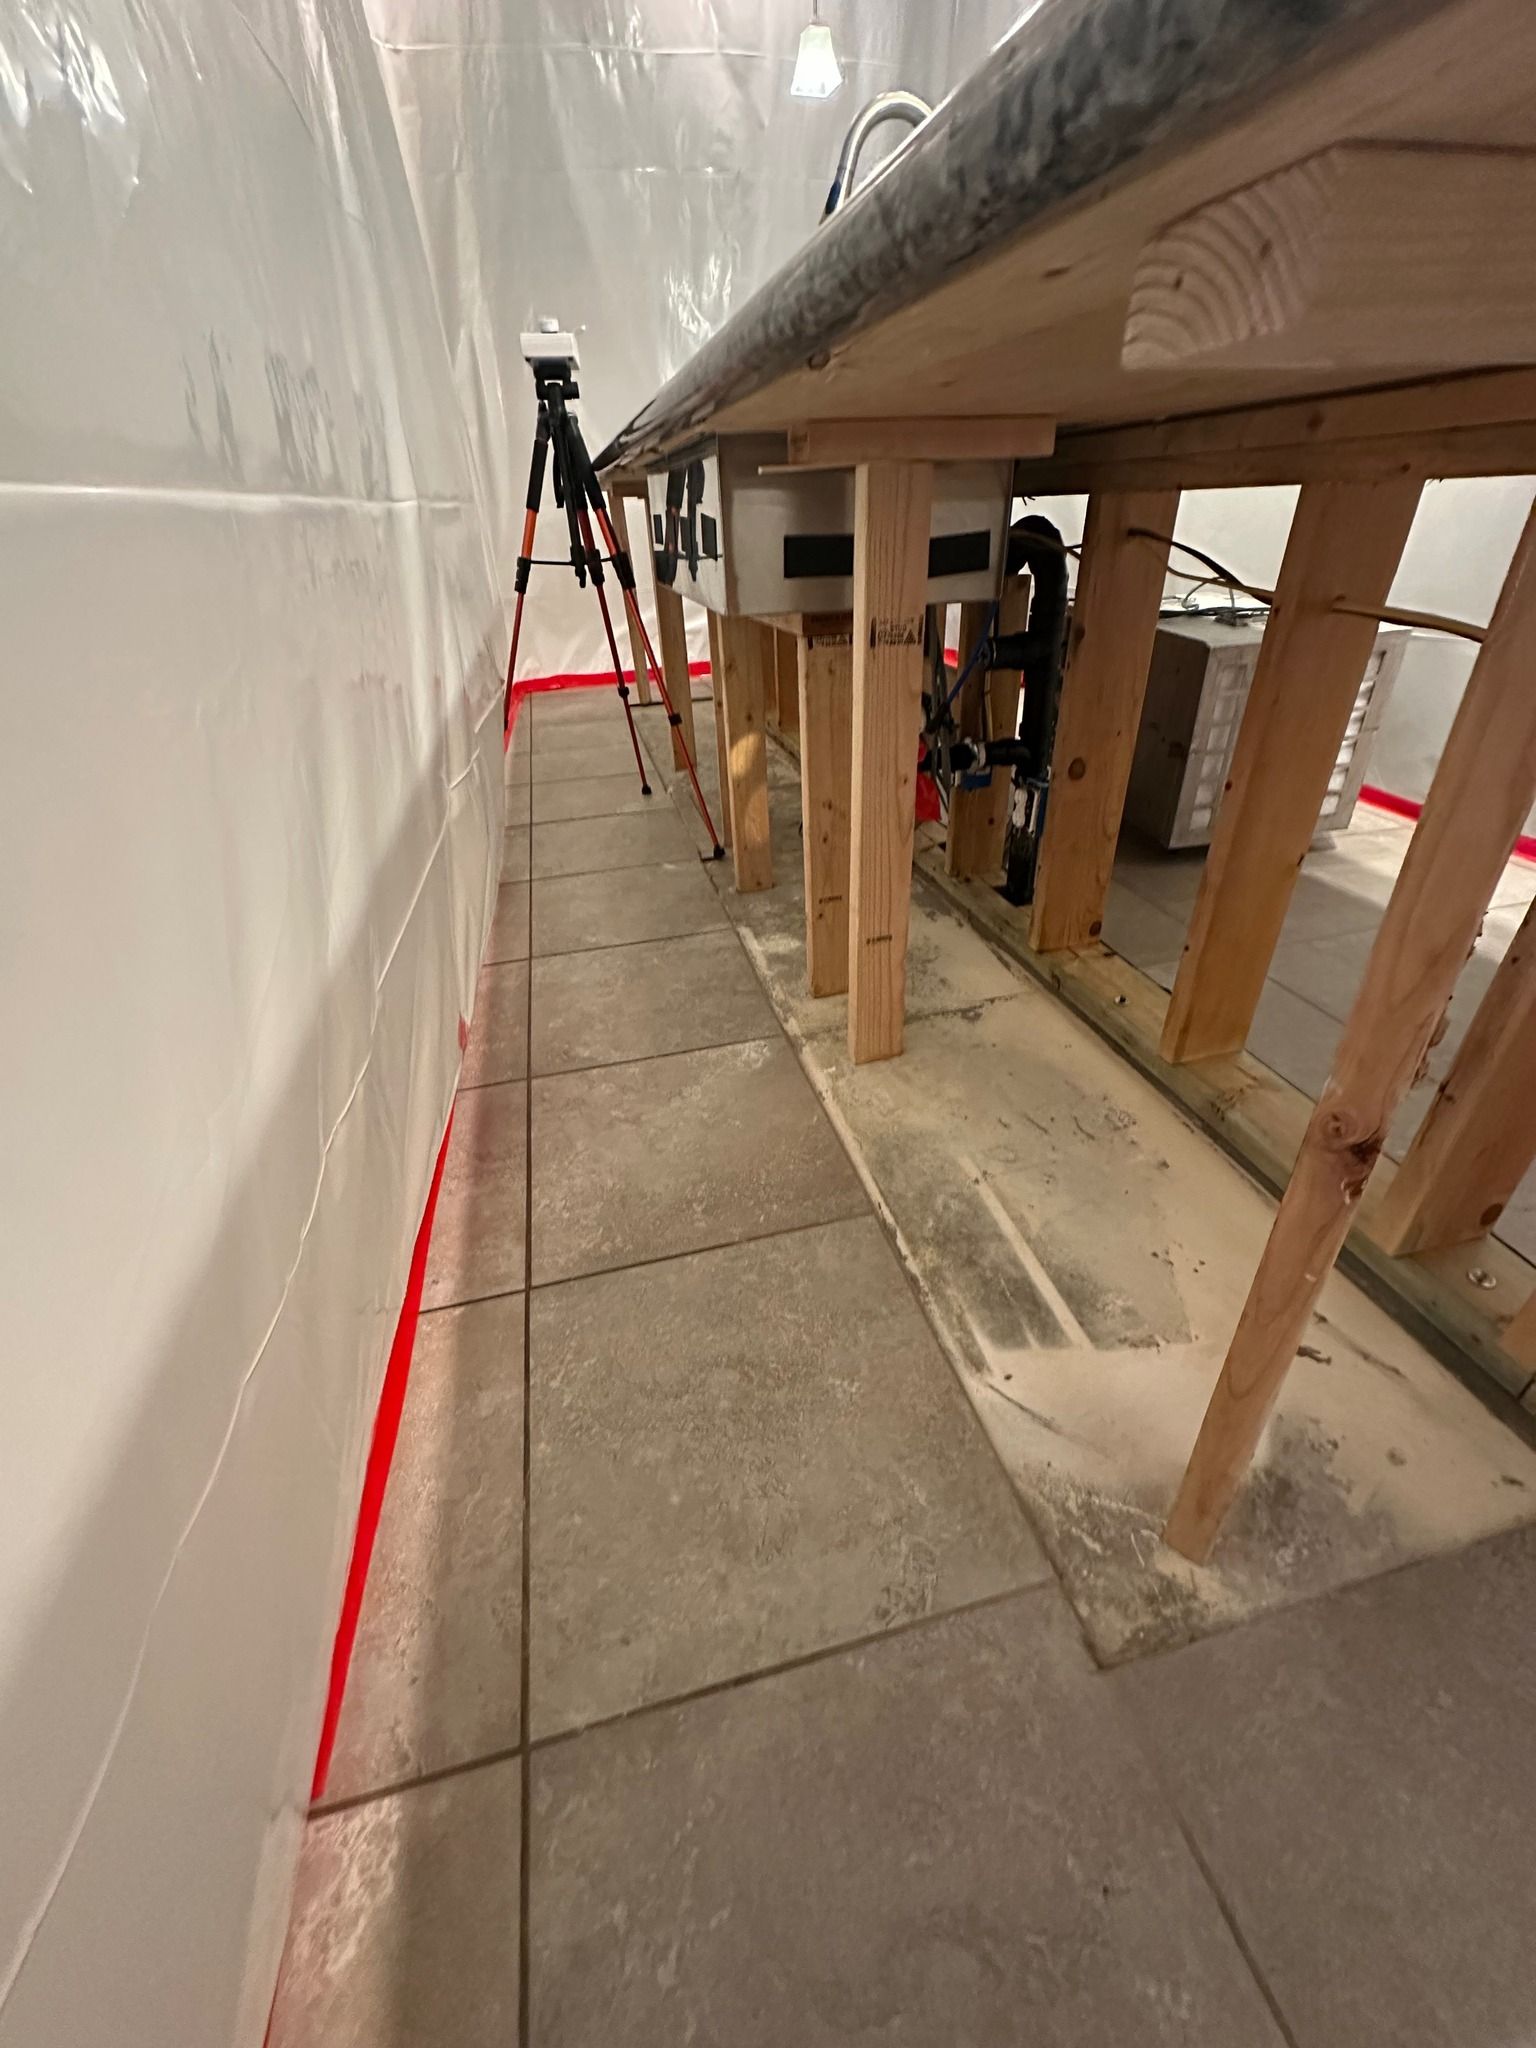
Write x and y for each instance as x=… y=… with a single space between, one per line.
x=1077 y=93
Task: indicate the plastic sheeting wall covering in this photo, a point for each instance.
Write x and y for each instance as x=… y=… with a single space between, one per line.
x=251 y=795
x=635 y=168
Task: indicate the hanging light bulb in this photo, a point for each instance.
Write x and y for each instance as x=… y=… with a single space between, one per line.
x=817 y=72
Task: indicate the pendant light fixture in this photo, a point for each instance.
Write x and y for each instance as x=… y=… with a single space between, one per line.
x=817 y=72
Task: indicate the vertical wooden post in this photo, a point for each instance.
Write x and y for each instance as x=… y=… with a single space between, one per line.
x=673 y=653
x=826 y=793
x=978 y=818
x=1345 y=544
x=787 y=676
x=1481 y=792
x=1477 y=1142
x=744 y=690
x=1114 y=618
x=619 y=500
x=717 y=688
x=892 y=504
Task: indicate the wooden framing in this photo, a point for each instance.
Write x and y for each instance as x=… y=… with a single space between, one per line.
x=1345 y=543
x=1114 y=619
x=744 y=694
x=672 y=633
x=1363 y=255
x=617 y=500
x=786 y=669
x=978 y=818
x=892 y=504
x=1481 y=792
x=717 y=688
x=825 y=663
x=841 y=444
x=1478 y=1141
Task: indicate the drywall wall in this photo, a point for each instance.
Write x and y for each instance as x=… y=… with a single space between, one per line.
x=1462 y=539
x=635 y=168
x=249 y=795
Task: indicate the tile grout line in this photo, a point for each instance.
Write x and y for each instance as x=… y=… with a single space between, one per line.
x=694 y=1251
x=737 y=1681
x=1230 y=1920
x=885 y=1220
x=524 y=1819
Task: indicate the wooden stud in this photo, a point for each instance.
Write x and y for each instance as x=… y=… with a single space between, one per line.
x=825 y=662
x=1478 y=1139
x=1114 y=620
x=786 y=664
x=1364 y=256
x=618 y=501
x=1345 y=543
x=672 y=631
x=717 y=687
x=978 y=818
x=891 y=516
x=840 y=444
x=1477 y=801
x=744 y=691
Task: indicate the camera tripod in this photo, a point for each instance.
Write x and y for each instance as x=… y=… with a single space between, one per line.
x=577 y=489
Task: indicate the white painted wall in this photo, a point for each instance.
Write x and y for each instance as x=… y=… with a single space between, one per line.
x=1460 y=546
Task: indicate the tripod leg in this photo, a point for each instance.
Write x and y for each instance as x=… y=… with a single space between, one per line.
x=613 y=646
x=633 y=607
x=525 y=559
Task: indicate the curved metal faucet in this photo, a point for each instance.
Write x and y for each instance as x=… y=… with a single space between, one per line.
x=885 y=106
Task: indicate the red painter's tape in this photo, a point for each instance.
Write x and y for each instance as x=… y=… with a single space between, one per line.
x=381 y=1451
x=1410 y=807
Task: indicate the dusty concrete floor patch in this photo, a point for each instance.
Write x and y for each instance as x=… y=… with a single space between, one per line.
x=1084 y=1252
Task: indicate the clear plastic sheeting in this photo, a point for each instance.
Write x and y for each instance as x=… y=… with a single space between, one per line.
x=250 y=822
x=635 y=168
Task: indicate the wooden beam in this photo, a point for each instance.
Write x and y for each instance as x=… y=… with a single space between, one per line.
x=978 y=818
x=786 y=665
x=618 y=500
x=825 y=680
x=716 y=683
x=744 y=690
x=1345 y=543
x=1478 y=1139
x=892 y=508
x=1477 y=801
x=672 y=632
x=1364 y=256
x=841 y=444
x=1457 y=451
x=1109 y=649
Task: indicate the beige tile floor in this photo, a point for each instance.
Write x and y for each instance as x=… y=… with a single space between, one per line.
x=725 y=1676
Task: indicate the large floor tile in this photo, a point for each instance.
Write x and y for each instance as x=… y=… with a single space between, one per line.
x=945 y=1838
x=514 y=853
x=1355 y=1774
x=436 y=1671
x=672 y=1155
x=477 y=1239
x=508 y=938
x=742 y=1456
x=405 y=1923
x=586 y=759
x=600 y=796
x=584 y=846
x=630 y=1002
x=498 y=1031
x=628 y=904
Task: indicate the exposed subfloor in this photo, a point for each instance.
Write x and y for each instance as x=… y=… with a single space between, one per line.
x=769 y=1641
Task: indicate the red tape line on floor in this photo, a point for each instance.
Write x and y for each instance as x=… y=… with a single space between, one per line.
x=381 y=1451
x=1410 y=807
